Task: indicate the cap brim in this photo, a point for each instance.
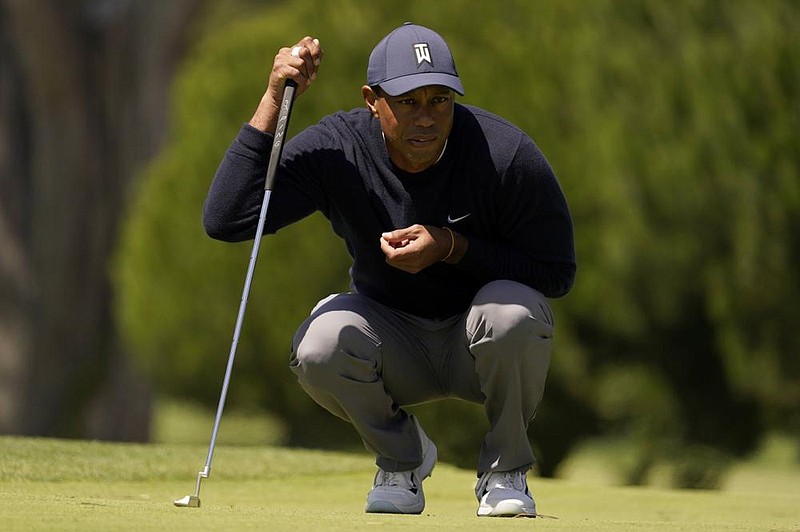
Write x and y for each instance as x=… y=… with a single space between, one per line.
x=404 y=84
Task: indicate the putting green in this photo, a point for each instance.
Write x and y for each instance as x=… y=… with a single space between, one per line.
x=78 y=485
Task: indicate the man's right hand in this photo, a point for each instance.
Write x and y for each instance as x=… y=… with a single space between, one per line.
x=299 y=63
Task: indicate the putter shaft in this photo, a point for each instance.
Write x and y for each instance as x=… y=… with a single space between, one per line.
x=193 y=501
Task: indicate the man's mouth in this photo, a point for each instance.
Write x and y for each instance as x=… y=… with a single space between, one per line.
x=422 y=141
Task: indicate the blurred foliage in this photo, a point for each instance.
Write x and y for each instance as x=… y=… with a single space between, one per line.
x=673 y=130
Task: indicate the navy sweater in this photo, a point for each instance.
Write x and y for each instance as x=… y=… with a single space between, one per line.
x=491 y=185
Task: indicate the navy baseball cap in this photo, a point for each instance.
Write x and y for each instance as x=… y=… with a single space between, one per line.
x=410 y=57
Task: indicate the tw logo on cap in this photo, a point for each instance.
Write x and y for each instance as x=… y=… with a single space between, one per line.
x=423 y=53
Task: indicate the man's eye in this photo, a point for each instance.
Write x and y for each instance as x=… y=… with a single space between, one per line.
x=440 y=99
x=407 y=101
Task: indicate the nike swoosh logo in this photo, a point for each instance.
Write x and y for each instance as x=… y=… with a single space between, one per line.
x=452 y=220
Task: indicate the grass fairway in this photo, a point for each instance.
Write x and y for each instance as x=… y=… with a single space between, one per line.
x=78 y=485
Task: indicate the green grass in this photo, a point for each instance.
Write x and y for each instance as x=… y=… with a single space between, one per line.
x=78 y=485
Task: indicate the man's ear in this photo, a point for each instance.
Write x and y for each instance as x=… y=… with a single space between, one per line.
x=370 y=98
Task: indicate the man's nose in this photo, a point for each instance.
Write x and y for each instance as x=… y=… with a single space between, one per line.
x=424 y=116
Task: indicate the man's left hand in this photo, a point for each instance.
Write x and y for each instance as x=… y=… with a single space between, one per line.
x=415 y=248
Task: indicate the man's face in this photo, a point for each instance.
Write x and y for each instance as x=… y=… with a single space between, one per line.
x=415 y=124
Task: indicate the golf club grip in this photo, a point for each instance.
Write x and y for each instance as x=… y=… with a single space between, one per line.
x=280 y=133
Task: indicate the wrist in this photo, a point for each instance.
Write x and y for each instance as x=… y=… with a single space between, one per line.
x=266 y=116
x=452 y=243
x=458 y=247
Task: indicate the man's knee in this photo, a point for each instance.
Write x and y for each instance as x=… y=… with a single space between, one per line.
x=510 y=312
x=332 y=345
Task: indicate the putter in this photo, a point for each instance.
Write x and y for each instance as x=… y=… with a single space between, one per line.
x=193 y=501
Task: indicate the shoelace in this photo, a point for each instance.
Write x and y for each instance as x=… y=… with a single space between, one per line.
x=403 y=479
x=510 y=480
x=504 y=480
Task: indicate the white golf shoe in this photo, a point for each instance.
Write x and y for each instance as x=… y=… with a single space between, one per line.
x=400 y=492
x=504 y=494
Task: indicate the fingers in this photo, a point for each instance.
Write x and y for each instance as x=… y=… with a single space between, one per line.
x=411 y=249
x=299 y=62
x=310 y=52
x=399 y=237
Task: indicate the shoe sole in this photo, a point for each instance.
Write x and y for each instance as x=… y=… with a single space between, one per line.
x=509 y=508
x=385 y=507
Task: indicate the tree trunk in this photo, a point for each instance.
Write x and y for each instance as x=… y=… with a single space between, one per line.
x=83 y=93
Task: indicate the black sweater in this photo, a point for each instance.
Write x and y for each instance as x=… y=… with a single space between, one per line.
x=491 y=185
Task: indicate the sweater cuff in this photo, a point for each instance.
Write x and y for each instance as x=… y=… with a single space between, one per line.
x=255 y=140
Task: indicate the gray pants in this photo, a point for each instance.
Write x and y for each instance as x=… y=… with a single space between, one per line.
x=363 y=361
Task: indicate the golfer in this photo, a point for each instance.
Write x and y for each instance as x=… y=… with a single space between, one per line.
x=458 y=231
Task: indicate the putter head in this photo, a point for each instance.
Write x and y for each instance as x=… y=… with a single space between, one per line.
x=190 y=501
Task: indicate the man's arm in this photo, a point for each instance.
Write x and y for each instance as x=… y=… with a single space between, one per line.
x=536 y=246
x=233 y=204
x=553 y=278
x=415 y=248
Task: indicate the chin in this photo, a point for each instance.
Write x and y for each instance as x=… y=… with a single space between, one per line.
x=420 y=164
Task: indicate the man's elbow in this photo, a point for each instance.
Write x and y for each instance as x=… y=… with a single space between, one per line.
x=563 y=280
x=214 y=230
x=212 y=225
x=216 y=227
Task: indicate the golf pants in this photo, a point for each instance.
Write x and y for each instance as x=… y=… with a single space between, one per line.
x=363 y=362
